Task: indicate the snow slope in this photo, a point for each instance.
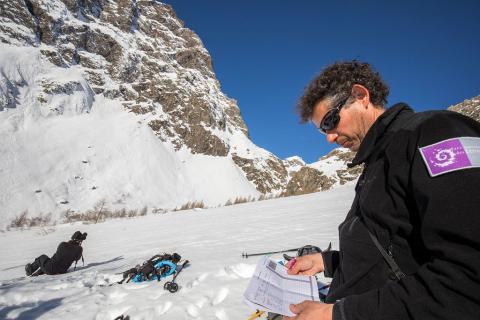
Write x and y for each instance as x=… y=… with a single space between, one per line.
x=51 y=163
x=213 y=240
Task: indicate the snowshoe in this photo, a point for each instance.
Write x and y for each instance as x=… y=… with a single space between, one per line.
x=160 y=270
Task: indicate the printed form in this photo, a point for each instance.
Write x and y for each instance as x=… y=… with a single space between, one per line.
x=271 y=289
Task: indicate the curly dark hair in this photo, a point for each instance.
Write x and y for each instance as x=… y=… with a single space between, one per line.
x=336 y=82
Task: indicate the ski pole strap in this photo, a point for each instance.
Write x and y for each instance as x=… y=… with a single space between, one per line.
x=388 y=258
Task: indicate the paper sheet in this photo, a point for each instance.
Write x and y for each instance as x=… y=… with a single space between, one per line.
x=271 y=289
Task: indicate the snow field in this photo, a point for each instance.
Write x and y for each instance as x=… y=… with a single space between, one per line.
x=211 y=287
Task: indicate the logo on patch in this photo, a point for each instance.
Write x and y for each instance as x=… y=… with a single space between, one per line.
x=445 y=156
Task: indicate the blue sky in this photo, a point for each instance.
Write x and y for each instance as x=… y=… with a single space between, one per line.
x=265 y=52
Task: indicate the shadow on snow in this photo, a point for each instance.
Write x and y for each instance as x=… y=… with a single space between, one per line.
x=34 y=311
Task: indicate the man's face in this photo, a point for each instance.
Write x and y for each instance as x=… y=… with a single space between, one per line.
x=350 y=130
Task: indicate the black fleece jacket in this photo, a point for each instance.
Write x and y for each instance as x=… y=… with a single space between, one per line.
x=429 y=224
x=67 y=253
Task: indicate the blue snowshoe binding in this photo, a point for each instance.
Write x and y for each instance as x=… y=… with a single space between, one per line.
x=161 y=269
x=156 y=268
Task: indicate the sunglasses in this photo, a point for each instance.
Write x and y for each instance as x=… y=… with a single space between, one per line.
x=331 y=119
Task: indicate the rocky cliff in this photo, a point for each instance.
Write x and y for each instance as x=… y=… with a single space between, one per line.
x=135 y=51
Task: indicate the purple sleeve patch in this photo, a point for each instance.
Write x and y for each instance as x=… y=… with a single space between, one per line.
x=445 y=156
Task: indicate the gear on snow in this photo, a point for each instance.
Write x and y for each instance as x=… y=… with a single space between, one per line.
x=156 y=268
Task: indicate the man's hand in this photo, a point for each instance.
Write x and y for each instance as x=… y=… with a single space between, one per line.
x=311 y=310
x=308 y=265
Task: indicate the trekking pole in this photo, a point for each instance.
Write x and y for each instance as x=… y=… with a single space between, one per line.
x=172 y=286
x=246 y=255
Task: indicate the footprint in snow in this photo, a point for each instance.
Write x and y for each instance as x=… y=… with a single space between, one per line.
x=221 y=295
x=193 y=311
x=117 y=295
x=201 y=302
x=221 y=315
x=162 y=309
x=157 y=294
x=240 y=270
x=197 y=280
x=202 y=277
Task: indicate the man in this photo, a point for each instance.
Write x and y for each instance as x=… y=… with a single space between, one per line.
x=410 y=244
x=67 y=253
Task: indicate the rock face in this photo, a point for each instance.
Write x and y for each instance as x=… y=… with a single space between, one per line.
x=343 y=156
x=329 y=171
x=469 y=107
x=268 y=174
x=308 y=180
x=137 y=51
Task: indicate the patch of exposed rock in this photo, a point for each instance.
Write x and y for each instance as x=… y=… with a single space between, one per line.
x=268 y=175
x=469 y=107
x=293 y=164
x=345 y=156
x=18 y=25
x=329 y=171
x=349 y=174
x=308 y=180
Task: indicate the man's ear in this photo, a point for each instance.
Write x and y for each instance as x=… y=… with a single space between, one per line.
x=361 y=93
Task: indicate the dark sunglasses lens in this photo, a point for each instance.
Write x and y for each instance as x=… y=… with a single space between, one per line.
x=329 y=121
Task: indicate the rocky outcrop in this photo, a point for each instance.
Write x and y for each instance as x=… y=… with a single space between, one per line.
x=329 y=171
x=308 y=180
x=349 y=174
x=293 y=164
x=344 y=156
x=469 y=107
x=269 y=175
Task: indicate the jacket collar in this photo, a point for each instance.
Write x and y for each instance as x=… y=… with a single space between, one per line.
x=376 y=132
